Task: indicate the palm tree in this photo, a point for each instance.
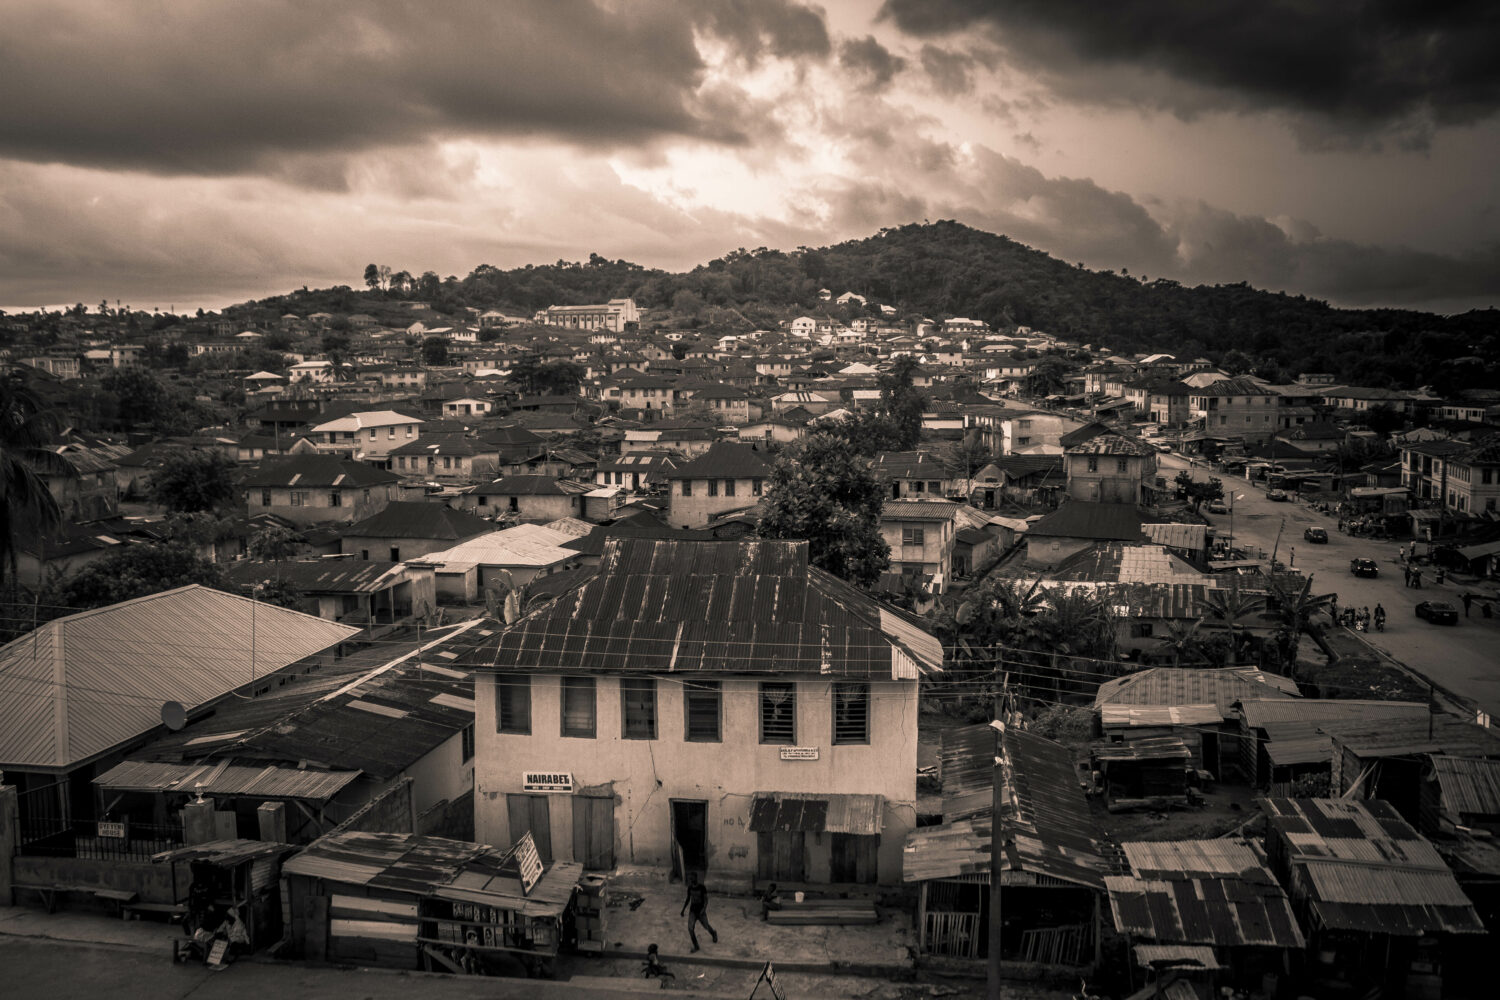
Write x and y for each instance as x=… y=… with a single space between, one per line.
x=1182 y=639
x=26 y=504
x=1295 y=606
x=1231 y=607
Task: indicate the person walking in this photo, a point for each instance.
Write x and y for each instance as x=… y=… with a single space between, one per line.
x=1468 y=600
x=696 y=908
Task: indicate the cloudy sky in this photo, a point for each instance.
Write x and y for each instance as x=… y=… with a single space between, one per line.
x=190 y=152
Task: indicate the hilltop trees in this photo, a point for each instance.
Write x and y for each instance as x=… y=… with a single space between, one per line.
x=194 y=481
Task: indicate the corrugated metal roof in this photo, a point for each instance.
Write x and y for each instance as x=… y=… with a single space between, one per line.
x=317 y=720
x=1437 y=734
x=1210 y=892
x=321 y=576
x=815 y=812
x=1469 y=786
x=966 y=758
x=661 y=605
x=1181 y=686
x=1048 y=828
x=1156 y=748
x=1361 y=867
x=225 y=852
x=77 y=686
x=1175 y=956
x=525 y=545
x=268 y=782
x=1124 y=716
x=961 y=847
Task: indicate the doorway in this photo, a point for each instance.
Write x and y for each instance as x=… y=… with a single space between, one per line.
x=594 y=831
x=529 y=812
x=689 y=836
x=782 y=855
x=1210 y=754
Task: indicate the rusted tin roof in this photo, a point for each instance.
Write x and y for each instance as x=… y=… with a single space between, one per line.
x=817 y=812
x=1221 y=687
x=966 y=758
x=269 y=782
x=673 y=606
x=1469 y=786
x=1361 y=867
x=1213 y=892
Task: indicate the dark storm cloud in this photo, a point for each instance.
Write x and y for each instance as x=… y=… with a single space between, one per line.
x=871 y=60
x=196 y=87
x=1365 y=65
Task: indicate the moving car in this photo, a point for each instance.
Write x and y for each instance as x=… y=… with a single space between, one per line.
x=1364 y=567
x=1319 y=535
x=1277 y=495
x=1217 y=507
x=1438 y=612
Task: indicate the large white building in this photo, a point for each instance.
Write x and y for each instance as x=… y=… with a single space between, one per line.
x=612 y=315
x=719 y=705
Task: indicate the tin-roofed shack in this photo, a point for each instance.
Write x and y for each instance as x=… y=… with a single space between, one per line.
x=410 y=902
x=1376 y=899
x=1141 y=774
x=1216 y=894
x=1054 y=857
x=243 y=876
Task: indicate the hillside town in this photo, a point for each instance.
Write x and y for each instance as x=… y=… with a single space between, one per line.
x=893 y=651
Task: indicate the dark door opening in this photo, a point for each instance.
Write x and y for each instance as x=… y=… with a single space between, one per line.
x=531 y=812
x=689 y=836
x=1211 y=754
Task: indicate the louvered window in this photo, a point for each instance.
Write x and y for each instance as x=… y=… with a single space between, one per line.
x=703 y=700
x=578 y=701
x=851 y=713
x=513 y=704
x=638 y=708
x=778 y=713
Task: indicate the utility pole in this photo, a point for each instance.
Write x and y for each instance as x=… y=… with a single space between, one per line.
x=994 y=967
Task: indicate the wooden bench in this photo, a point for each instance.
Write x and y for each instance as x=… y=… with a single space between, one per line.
x=172 y=911
x=48 y=893
x=825 y=911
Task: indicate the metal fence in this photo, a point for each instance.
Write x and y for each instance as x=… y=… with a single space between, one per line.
x=47 y=837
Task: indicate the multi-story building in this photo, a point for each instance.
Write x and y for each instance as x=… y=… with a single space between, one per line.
x=614 y=315
x=367 y=436
x=921 y=534
x=314 y=489
x=691 y=726
x=726 y=477
x=1235 y=408
x=1110 y=468
x=1464 y=476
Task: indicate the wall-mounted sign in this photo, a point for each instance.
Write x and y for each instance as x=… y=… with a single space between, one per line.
x=115 y=830
x=799 y=753
x=529 y=861
x=546 y=781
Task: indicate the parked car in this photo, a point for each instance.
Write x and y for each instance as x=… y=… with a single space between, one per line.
x=1218 y=507
x=1364 y=567
x=1277 y=495
x=1318 y=535
x=1438 y=612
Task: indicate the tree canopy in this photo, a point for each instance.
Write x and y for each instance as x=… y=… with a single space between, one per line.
x=822 y=492
x=192 y=481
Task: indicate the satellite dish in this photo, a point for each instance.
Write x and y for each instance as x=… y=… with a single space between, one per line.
x=173 y=715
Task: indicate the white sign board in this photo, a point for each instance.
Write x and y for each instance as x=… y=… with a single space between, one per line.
x=529 y=861
x=546 y=781
x=799 y=753
x=115 y=830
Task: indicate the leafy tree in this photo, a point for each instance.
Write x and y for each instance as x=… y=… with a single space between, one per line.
x=1198 y=492
x=26 y=504
x=821 y=492
x=135 y=571
x=1384 y=419
x=193 y=481
x=273 y=543
x=335 y=344
x=435 y=351
x=372 y=276
x=902 y=403
x=146 y=403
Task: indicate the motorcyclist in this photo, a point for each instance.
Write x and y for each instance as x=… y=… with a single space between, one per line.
x=1379 y=618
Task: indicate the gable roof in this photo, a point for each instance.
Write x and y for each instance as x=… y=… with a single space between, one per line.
x=692 y=607
x=530 y=486
x=723 y=460
x=77 y=686
x=317 y=471
x=366 y=418
x=418 y=519
x=1220 y=687
x=1090 y=519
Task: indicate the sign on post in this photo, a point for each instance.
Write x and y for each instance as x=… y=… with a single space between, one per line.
x=529 y=862
x=546 y=781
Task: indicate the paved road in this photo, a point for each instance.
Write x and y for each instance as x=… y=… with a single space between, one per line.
x=1464 y=659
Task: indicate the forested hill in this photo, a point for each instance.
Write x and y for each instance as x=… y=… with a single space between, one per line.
x=948 y=269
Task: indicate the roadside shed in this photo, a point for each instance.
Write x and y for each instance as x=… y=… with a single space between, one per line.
x=1147 y=773
x=1282 y=739
x=1375 y=896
